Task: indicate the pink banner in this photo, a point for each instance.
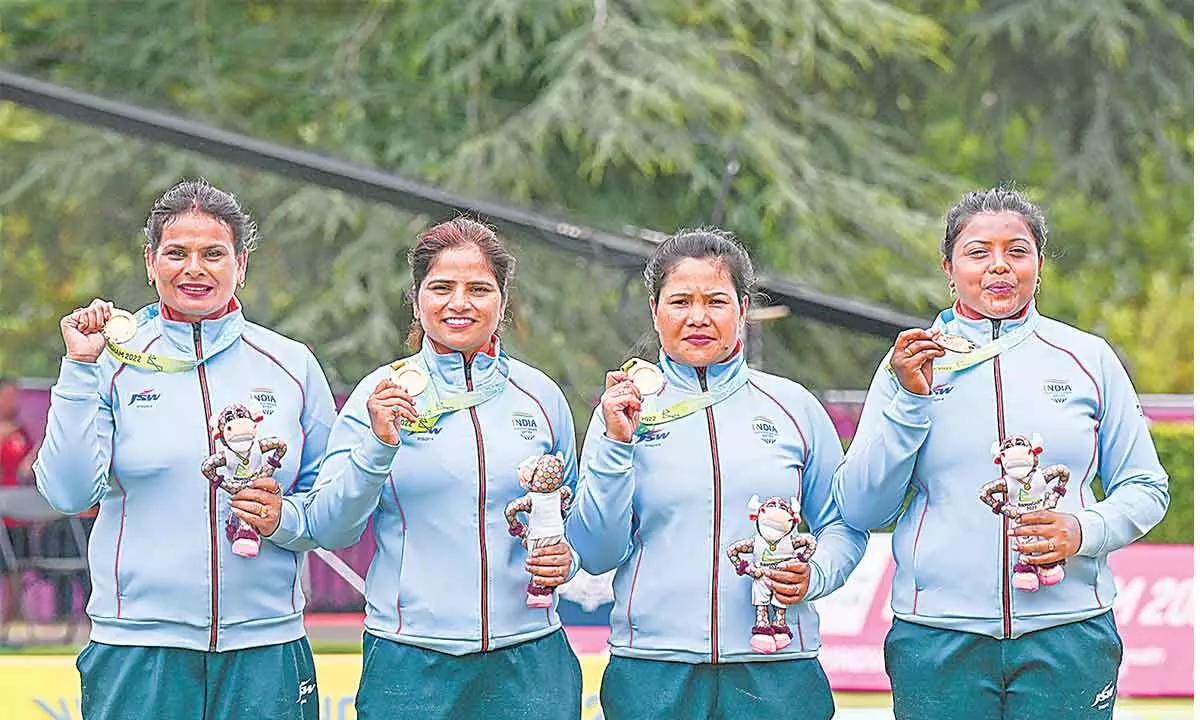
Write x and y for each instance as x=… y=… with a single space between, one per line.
x=1153 y=612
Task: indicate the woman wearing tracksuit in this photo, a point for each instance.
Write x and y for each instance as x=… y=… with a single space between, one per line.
x=449 y=630
x=668 y=504
x=183 y=626
x=997 y=441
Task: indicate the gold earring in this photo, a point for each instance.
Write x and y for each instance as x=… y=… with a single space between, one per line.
x=953 y=289
x=150 y=281
x=242 y=283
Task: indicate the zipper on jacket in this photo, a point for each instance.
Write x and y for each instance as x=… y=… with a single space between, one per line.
x=716 y=551
x=483 y=571
x=1005 y=579
x=212 y=490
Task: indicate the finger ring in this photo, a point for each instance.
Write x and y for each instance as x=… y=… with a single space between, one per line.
x=908 y=350
x=262 y=512
x=395 y=409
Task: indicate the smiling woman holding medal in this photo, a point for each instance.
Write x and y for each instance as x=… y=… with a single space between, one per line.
x=194 y=615
x=675 y=459
x=994 y=423
x=460 y=617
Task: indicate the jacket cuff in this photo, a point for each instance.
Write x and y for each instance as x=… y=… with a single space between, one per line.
x=612 y=457
x=1093 y=531
x=291 y=526
x=77 y=379
x=374 y=455
x=816 y=582
x=909 y=408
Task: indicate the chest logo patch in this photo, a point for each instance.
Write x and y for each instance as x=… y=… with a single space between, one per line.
x=524 y=424
x=1057 y=390
x=765 y=429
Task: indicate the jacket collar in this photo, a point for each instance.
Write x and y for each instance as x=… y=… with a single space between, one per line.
x=953 y=321
x=687 y=378
x=215 y=335
x=449 y=369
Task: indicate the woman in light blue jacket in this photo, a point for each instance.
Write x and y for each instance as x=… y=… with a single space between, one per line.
x=429 y=449
x=196 y=605
x=994 y=423
x=689 y=488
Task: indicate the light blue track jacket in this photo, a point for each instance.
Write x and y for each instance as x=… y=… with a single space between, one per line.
x=663 y=509
x=163 y=572
x=953 y=560
x=447 y=575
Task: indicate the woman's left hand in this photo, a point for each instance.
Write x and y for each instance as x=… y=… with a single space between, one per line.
x=1058 y=537
x=789 y=580
x=260 y=505
x=550 y=566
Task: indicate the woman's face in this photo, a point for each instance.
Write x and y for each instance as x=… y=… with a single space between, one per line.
x=995 y=264
x=697 y=313
x=459 y=302
x=195 y=269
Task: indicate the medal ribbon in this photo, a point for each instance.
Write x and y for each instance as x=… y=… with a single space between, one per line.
x=1002 y=344
x=163 y=363
x=690 y=405
x=149 y=361
x=429 y=417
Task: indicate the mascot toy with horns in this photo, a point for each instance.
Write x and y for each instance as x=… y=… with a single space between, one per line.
x=777 y=538
x=243 y=457
x=1023 y=488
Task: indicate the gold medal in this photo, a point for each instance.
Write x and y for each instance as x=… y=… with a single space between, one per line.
x=955 y=343
x=647 y=378
x=121 y=327
x=409 y=377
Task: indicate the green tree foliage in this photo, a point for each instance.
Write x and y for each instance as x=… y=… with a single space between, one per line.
x=829 y=134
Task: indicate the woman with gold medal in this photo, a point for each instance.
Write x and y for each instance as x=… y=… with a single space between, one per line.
x=196 y=605
x=690 y=464
x=428 y=448
x=993 y=424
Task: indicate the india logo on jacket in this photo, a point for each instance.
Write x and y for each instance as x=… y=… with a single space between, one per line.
x=525 y=425
x=144 y=398
x=265 y=397
x=765 y=429
x=1057 y=390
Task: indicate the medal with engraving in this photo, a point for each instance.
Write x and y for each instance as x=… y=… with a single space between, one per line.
x=955 y=343
x=409 y=377
x=646 y=377
x=121 y=327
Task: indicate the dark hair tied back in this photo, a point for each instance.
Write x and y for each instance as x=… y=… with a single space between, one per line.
x=453 y=233
x=700 y=243
x=995 y=200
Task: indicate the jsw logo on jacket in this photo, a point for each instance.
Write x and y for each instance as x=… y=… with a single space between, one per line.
x=664 y=509
x=447 y=575
x=954 y=562
x=133 y=440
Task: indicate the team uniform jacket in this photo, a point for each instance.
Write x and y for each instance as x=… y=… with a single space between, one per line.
x=447 y=575
x=954 y=564
x=133 y=440
x=664 y=508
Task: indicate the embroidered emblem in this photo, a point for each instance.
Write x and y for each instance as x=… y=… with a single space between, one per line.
x=525 y=425
x=265 y=397
x=651 y=437
x=765 y=429
x=145 y=398
x=1057 y=390
x=941 y=391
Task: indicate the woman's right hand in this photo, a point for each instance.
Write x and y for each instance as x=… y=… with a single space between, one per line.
x=912 y=359
x=82 y=331
x=621 y=405
x=387 y=406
